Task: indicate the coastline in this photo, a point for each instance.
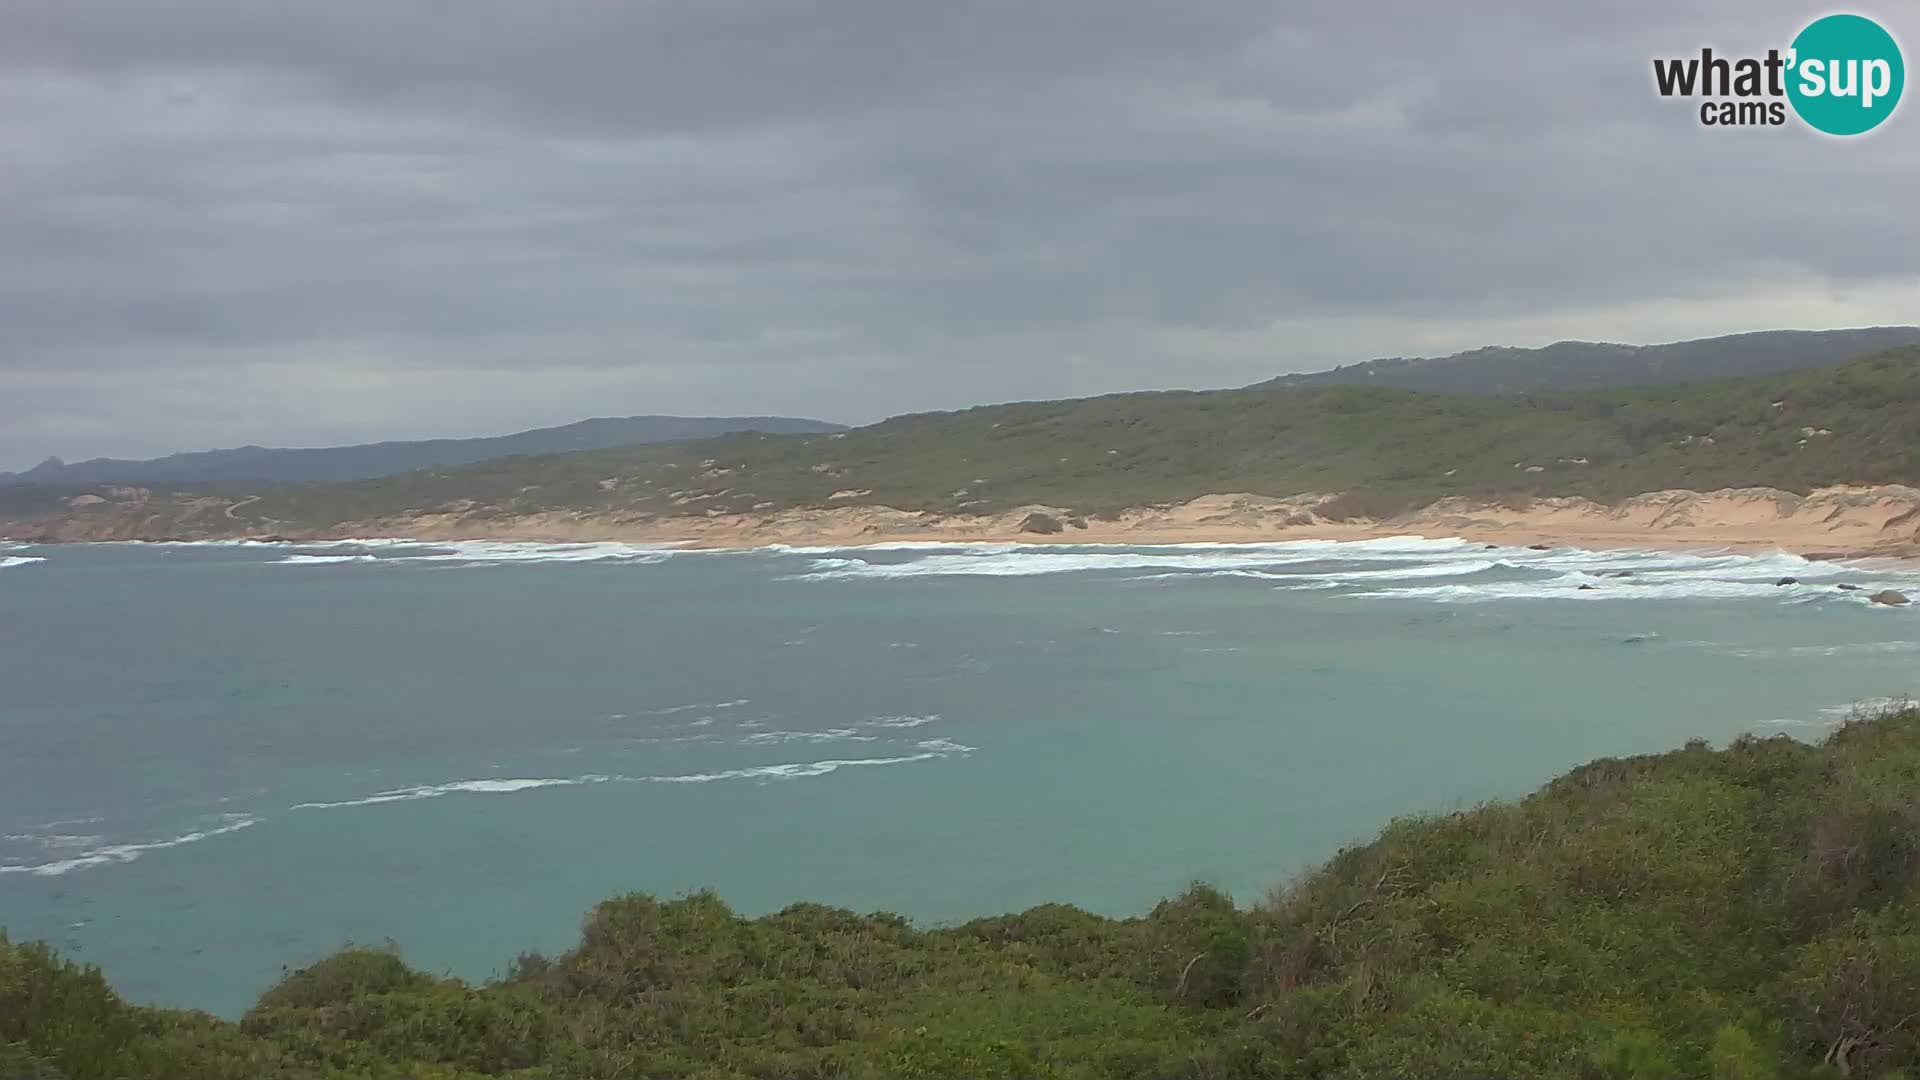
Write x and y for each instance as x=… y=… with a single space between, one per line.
x=1839 y=522
x=1834 y=522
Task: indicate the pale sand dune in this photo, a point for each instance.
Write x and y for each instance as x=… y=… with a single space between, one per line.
x=1854 y=521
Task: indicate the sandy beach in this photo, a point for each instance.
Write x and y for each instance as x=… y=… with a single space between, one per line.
x=1834 y=522
x=1837 y=522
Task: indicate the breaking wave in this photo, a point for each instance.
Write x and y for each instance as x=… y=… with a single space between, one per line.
x=928 y=750
x=696 y=707
x=106 y=854
x=904 y=721
x=488 y=552
x=1018 y=560
x=1836 y=715
x=466 y=552
x=320 y=560
x=1391 y=568
x=774 y=738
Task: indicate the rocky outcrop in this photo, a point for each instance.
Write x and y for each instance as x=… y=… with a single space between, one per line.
x=1889 y=597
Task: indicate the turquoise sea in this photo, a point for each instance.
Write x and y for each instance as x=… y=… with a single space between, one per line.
x=217 y=760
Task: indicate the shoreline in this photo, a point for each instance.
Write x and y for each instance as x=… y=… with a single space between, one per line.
x=1828 y=523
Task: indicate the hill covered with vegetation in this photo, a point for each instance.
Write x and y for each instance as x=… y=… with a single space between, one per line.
x=272 y=465
x=1108 y=453
x=1588 y=365
x=1857 y=422
x=1752 y=912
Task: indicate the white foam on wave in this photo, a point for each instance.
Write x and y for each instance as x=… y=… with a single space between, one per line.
x=1021 y=560
x=474 y=787
x=1836 y=715
x=490 y=552
x=697 y=706
x=1524 y=572
x=774 y=738
x=1852 y=648
x=835 y=564
x=1248 y=573
x=800 y=770
x=1560 y=574
x=904 y=721
x=56 y=841
x=929 y=750
x=198 y=543
x=1867 y=707
x=898 y=545
x=478 y=552
x=945 y=746
x=1568 y=587
x=1407 y=573
x=368 y=542
x=126 y=853
x=70 y=821
x=322 y=560
x=11 y=561
x=1385 y=544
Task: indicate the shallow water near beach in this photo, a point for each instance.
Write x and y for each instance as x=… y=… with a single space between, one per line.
x=216 y=760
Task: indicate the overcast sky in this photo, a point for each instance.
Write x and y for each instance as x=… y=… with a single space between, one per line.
x=310 y=223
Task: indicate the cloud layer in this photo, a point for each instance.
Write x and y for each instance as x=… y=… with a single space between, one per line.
x=300 y=224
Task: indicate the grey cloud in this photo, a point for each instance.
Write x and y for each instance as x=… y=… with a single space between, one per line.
x=853 y=208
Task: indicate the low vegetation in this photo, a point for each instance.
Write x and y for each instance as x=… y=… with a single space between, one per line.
x=1752 y=912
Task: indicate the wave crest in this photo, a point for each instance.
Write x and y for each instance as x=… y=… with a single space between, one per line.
x=126 y=853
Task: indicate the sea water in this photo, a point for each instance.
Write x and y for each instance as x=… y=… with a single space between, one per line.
x=218 y=761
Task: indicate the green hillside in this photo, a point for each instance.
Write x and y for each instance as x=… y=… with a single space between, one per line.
x=1108 y=453
x=1857 y=422
x=1743 y=913
x=1591 y=365
x=270 y=465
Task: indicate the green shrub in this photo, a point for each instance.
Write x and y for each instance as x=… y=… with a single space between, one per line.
x=344 y=977
x=1743 y=914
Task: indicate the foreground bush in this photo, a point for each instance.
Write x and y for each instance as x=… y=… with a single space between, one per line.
x=1751 y=913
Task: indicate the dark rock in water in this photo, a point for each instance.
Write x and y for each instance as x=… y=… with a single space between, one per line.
x=1889 y=597
x=1491 y=547
x=1618 y=573
x=1638 y=639
x=1788 y=581
x=1847 y=586
x=1040 y=523
x=1585 y=588
x=1539 y=547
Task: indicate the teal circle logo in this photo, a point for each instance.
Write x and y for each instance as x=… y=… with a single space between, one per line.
x=1845 y=74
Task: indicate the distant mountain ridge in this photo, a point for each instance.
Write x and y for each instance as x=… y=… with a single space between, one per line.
x=335 y=464
x=1588 y=365
x=1563 y=366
